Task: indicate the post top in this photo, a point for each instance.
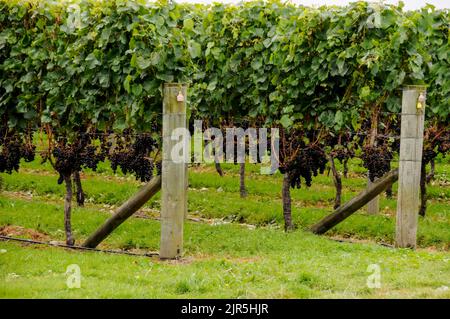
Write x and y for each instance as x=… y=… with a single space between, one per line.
x=174 y=84
x=415 y=87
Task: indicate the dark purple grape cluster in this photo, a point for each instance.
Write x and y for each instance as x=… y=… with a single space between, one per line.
x=427 y=156
x=436 y=141
x=342 y=146
x=67 y=160
x=11 y=155
x=91 y=157
x=377 y=160
x=158 y=168
x=144 y=144
x=343 y=154
x=308 y=162
x=444 y=142
x=132 y=156
x=13 y=149
x=72 y=157
x=28 y=152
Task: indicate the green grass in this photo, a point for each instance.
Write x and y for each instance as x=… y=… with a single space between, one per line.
x=212 y=196
x=221 y=260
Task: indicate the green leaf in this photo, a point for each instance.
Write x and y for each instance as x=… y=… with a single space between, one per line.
x=216 y=53
x=195 y=49
x=159 y=21
x=136 y=89
x=103 y=79
x=339 y=118
x=126 y=83
x=365 y=92
x=286 y=121
x=341 y=66
x=142 y=62
x=256 y=64
x=188 y=24
x=155 y=58
x=212 y=85
x=91 y=61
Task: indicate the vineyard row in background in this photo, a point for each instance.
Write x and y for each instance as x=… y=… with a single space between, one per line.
x=90 y=76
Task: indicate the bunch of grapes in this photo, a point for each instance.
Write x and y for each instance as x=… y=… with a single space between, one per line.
x=91 y=156
x=67 y=159
x=427 y=156
x=82 y=153
x=11 y=154
x=377 y=160
x=343 y=154
x=28 y=152
x=435 y=141
x=342 y=146
x=306 y=163
x=132 y=156
x=444 y=142
x=13 y=149
x=158 y=168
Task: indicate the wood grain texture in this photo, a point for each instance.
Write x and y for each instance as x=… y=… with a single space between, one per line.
x=174 y=175
x=355 y=203
x=125 y=211
x=411 y=143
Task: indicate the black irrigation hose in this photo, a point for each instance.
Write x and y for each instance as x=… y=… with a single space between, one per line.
x=349 y=241
x=29 y=241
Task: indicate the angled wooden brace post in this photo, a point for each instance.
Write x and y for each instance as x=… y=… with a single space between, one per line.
x=355 y=203
x=124 y=212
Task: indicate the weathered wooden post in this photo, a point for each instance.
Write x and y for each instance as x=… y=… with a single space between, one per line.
x=344 y=211
x=411 y=143
x=174 y=173
x=125 y=211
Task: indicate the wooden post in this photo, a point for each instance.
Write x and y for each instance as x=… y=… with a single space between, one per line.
x=174 y=174
x=355 y=203
x=125 y=211
x=411 y=143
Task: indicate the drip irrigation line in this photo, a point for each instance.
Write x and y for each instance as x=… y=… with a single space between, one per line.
x=35 y=242
x=109 y=251
x=349 y=241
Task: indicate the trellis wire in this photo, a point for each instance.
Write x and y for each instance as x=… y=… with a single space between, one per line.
x=29 y=241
